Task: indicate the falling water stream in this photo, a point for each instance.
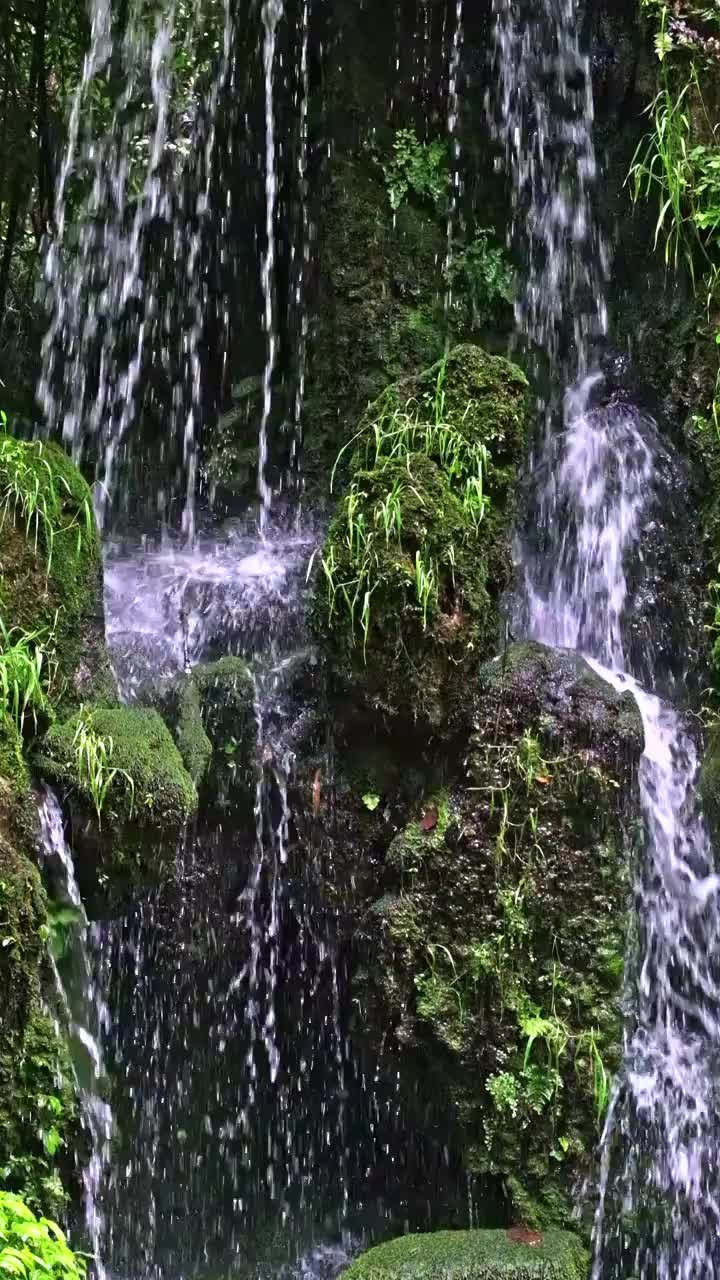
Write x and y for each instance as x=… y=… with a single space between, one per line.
x=658 y=1215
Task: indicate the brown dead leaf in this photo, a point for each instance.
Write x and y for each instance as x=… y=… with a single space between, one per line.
x=429 y=820
x=524 y=1235
x=543 y=778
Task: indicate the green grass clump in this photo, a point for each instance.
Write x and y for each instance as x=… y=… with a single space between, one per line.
x=51 y=565
x=472 y=1255
x=416 y=555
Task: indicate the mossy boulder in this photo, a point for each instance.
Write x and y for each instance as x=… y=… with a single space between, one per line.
x=39 y=1127
x=473 y=1255
x=51 y=568
x=491 y=961
x=417 y=555
x=563 y=693
x=212 y=711
x=149 y=800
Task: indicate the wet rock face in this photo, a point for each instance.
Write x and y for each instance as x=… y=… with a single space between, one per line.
x=664 y=618
x=490 y=961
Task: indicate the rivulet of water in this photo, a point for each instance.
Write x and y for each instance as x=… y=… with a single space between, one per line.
x=272 y=13
x=87 y=1017
x=455 y=194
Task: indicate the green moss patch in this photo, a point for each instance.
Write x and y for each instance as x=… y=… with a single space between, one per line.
x=140 y=824
x=212 y=712
x=473 y=1255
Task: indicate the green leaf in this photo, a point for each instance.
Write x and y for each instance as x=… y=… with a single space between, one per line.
x=371 y=801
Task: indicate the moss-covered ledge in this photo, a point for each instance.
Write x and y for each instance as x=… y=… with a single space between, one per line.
x=474 y=1255
x=149 y=799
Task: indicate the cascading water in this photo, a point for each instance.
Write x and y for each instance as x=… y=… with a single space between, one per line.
x=126 y=166
x=658 y=1216
x=542 y=117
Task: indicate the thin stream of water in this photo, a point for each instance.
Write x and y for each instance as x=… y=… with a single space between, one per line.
x=272 y=14
x=87 y=1017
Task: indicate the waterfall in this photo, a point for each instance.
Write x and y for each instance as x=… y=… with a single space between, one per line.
x=137 y=141
x=88 y=1019
x=658 y=1215
x=454 y=145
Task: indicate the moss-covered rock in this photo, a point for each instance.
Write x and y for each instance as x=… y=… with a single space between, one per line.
x=22 y=901
x=51 y=568
x=493 y=959
x=193 y=743
x=709 y=784
x=381 y=306
x=226 y=692
x=149 y=799
x=417 y=554
x=38 y=1113
x=473 y=1255
x=37 y=1105
x=212 y=712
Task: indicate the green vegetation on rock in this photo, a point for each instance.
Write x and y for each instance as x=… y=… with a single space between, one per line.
x=417 y=554
x=473 y=1255
x=31 y=1248
x=37 y=1109
x=148 y=802
x=212 y=711
x=51 y=566
x=495 y=952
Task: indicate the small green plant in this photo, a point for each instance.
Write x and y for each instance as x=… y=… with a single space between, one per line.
x=398 y=434
x=27 y=666
x=33 y=1248
x=504 y=1089
x=31 y=494
x=93 y=755
x=482 y=273
x=588 y=1050
x=419 y=169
